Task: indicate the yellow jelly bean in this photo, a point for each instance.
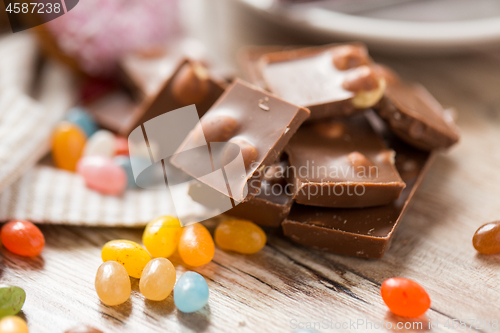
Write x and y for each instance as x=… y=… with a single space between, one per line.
x=240 y=236
x=13 y=324
x=130 y=254
x=112 y=283
x=158 y=279
x=161 y=236
x=68 y=142
x=196 y=245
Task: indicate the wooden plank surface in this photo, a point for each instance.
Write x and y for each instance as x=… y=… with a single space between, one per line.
x=285 y=285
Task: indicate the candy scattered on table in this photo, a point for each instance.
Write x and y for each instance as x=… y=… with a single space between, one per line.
x=112 y=283
x=13 y=324
x=196 y=246
x=486 y=239
x=191 y=292
x=102 y=143
x=67 y=145
x=240 y=236
x=158 y=279
x=102 y=174
x=161 y=236
x=130 y=254
x=22 y=238
x=79 y=116
x=11 y=300
x=405 y=297
x=83 y=329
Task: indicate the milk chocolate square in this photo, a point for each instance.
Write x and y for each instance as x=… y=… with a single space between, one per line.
x=416 y=117
x=332 y=80
x=343 y=162
x=363 y=232
x=247 y=117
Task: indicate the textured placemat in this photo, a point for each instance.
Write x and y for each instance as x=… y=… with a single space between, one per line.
x=53 y=196
x=26 y=125
x=18 y=53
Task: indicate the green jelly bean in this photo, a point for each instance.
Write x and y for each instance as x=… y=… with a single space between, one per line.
x=11 y=300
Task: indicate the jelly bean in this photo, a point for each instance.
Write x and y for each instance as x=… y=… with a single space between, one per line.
x=112 y=283
x=22 y=238
x=83 y=329
x=486 y=240
x=158 y=279
x=196 y=246
x=102 y=175
x=130 y=254
x=13 y=324
x=191 y=292
x=405 y=297
x=161 y=236
x=79 y=116
x=102 y=143
x=240 y=236
x=67 y=145
x=11 y=300
x=121 y=145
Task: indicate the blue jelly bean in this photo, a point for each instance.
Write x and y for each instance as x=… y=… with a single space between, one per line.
x=79 y=116
x=190 y=292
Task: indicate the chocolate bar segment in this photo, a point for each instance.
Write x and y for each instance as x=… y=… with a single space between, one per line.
x=157 y=84
x=272 y=204
x=416 y=117
x=189 y=84
x=257 y=122
x=343 y=162
x=364 y=232
x=329 y=80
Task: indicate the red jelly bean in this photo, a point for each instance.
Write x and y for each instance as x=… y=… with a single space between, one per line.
x=486 y=240
x=405 y=297
x=22 y=238
x=121 y=146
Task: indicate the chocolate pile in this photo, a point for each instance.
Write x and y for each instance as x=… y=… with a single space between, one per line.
x=334 y=145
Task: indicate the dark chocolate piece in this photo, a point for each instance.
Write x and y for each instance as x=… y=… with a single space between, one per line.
x=272 y=204
x=114 y=110
x=416 y=117
x=256 y=121
x=343 y=162
x=364 y=232
x=320 y=78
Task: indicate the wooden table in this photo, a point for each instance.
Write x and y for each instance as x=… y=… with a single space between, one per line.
x=286 y=286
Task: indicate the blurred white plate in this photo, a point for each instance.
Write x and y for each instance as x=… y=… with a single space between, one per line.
x=396 y=25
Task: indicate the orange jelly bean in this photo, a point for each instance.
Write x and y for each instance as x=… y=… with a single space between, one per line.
x=68 y=142
x=486 y=240
x=240 y=236
x=405 y=297
x=22 y=238
x=196 y=246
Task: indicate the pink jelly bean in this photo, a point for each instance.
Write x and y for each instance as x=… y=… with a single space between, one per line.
x=102 y=174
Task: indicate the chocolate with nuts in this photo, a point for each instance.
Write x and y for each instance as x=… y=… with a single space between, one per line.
x=364 y=232
x=343 y=163
x=158 y=87
x=416 y=117
x=257 y=122
x=329 y=80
